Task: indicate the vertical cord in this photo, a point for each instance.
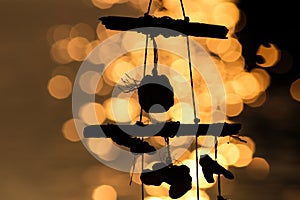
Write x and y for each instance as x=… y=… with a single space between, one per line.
x=144 y=72
x=196 y=120
x=141 y=112
x=149 y=6
x=169 y=159
x=219 y=176
x=155 y=54
x=182 y=7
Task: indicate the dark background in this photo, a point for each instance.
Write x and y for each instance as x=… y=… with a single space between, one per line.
x=37 y=162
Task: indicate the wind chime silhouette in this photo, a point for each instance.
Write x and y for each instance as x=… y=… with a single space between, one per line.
x=156 y=89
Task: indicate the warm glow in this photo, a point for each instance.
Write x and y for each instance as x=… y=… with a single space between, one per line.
x=257 y=101
x=59 y=52
x=229 y=50
x=103 y=148
x=119 y=69
x=245 y=85
x=60 y=87
x=77 y=48
x=226 y=13
x=104 y=192
x=234 y=68
x=230 y=152
x=157 y=190
x=91 y=46
x=258 y=169
x=203 y=184
x=90 y=82
x=182 y=112
x=295 y=90
x=234 y=105
x=82 y=30
x=80 y=41
x=73 y=130
x=192 y=195
x=102 y=4
x=92 y=113
x=61 y=31
x=262 y=77
x=161 y=117
x=121 y=110
x=270 y=55
x=245 y=156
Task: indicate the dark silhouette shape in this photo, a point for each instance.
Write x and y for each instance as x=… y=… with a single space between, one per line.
x=155 y=90
x=167 y=129
x=177 y=177
x=210 y=167
x=135 y=144
x=184 y=27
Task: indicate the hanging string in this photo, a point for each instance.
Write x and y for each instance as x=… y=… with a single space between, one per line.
x=133 y=168
x=182 y=7
x=141 y=112
x=196 y=120
x=149 y=6
x=219 y=176
x=169 y=159
x=144 y=71
x=155 y=54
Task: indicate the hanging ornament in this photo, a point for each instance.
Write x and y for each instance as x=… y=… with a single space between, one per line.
x=177 y=177
x=210 y=167
x=154 y=89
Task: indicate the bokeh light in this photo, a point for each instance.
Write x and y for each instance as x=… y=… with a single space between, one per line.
x=104 y=192
x=73 y=130
x=92 y=113
x=121 y=110
x=72 y=43
x=77 y=48
x=59 y=52
x=270 y=55
x=295 y=90
x=103 y=148
x=245 y=157
x=83 y=30
x=258 y=169
x=91 y=82
x=60 y=87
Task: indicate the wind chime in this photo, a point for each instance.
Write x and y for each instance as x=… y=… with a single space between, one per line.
x=156 y=89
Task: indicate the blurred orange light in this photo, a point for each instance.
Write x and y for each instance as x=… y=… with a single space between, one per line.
x=90 y=82
x=234 y=105
x=60 y=87
x=61 y=31
x=121 y=110
x=258 y=169
x=59 y=52
x=245 y=85
x=92 y=113
x=270 y=55
x=82 y=30
x=103 y=148
x=295 y=90
x=73 y=129
x=77 y=48
x=245 y=156
x=101 y=4
x=230 y=152
x=104 y=192
x=262 y=77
